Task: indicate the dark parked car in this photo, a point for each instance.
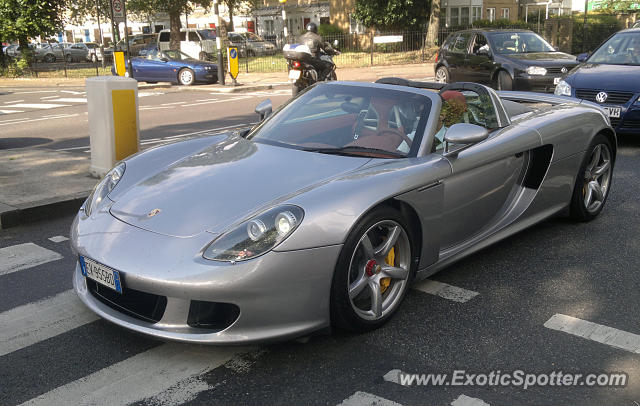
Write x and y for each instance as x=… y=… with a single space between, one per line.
x=610 y=76
x=174 y=67
x=504 y=59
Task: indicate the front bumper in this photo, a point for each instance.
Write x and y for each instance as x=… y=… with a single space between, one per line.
x=535 y=83
x=279 y=295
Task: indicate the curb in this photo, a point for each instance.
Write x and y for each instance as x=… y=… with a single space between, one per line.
x=226 y=89
x=12 y=216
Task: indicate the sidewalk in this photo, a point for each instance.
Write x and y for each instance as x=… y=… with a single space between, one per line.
x=37 y=184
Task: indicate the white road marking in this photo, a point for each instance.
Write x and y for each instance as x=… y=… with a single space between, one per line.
x=48 y=97
x=142 y=376
x=367 y=399
x=39 y=91
x=201 y=100
x=173 y=103
x=154 y=107
x=445 y=291
x=11 y=111
x=31 y=120
x=14 y=101
x=58 y=238
x=23 y=256
x=215 y=101
x=145 y=94
x=70 y=100
x=12 y=120
x=38 y=105
x=595 y=332
x=464 y=400
x=34 y=322
x=72 y=92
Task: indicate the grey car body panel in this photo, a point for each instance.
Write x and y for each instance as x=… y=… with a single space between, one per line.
x=461 y=204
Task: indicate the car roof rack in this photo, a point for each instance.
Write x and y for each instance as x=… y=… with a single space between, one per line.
x=411 y=83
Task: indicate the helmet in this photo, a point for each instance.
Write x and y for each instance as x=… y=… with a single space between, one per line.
x=312 y=27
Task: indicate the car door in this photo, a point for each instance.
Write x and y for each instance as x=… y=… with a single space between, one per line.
x=457 y=55
x=190 y=44
x=485 y=177
x=480 y=60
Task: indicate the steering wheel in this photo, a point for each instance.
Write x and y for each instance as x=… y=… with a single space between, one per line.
x=398 y=134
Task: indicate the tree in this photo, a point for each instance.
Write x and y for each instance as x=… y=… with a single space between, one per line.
x=234 y=5
x=617 y=6
x=434 y=24
x=24 y=19
x=392 y=14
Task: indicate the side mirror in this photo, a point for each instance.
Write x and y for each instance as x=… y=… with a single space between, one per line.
x=264 y=109
x=463 y=135
x=582 y=57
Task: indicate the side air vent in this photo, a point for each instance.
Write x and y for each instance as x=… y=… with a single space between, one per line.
x=538 y=165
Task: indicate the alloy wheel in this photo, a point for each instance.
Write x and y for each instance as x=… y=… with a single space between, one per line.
x=379 y=270
x=597 y=177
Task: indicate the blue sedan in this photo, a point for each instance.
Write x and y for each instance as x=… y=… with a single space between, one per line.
x=172 y=66
x=610 y=77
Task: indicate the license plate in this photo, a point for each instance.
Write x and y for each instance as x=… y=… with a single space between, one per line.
x=101 y=274
x=294 y=74
x=556 y=81
x=613 y=112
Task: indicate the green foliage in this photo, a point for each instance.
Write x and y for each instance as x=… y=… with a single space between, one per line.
x=500 y=23
x=21 y=19
x=328 y=29
x=388 y=15
x=617 y=6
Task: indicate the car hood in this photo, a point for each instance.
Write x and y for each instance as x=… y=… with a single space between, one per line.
x=215 y=187
x=607 y=77
x=544 y=58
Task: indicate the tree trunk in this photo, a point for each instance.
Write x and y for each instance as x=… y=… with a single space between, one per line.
x=174 y=20
x=434 y=24
x=230 y=7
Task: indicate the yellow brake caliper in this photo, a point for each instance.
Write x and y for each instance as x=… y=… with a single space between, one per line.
x=390 y=260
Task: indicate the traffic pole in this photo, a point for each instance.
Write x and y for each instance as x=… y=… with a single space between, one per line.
x=218 y=43
x=126 y=38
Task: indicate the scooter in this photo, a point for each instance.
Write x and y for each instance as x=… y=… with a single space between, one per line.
x=302 y=73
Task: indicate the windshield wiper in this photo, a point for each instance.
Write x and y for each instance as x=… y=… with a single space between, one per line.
x=354 y=150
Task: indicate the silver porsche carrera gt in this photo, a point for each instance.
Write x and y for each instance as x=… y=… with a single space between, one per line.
x=325 y=212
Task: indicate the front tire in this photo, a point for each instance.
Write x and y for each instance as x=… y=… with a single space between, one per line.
x=68 y=58
x=186 y=77
x=442 y=75
x=504 y=81
x=593 y=181
x=49 y=58
x=373 y=272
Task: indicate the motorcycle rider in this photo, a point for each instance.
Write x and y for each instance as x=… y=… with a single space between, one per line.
x=319 y=49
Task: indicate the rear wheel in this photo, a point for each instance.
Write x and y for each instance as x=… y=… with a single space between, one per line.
x=332 y=75
x=186 y=77
x=68 y=58
x=373 y=272
x=442 y=75
x=295 y=89
x=504 y=81
x=49 y=58
x=593 y=181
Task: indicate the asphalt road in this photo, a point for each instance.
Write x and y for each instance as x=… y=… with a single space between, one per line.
x=53 y=351
x=57 y=118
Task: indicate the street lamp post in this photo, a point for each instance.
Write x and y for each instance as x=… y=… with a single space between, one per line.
x=216 y=11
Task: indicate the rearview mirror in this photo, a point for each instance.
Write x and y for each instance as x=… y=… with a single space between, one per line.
x=264 y=109
x=463 y=135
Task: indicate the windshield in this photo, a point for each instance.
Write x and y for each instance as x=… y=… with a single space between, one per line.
x=207 y=34
x=358 y=120
x=253 y=37
x=177 y=55
x=621 y=49
x=91 y=45
x=519 y=43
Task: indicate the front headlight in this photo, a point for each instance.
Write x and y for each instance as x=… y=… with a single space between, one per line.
x=562 y=89
x=536 y=70
x=103 y=188
x=256 y=236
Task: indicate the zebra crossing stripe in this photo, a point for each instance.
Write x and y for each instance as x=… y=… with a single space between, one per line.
x=367 y=399
x=464 y=400
x=445 y=291
x=143 y=376
x=34 y=322
x=23 y=256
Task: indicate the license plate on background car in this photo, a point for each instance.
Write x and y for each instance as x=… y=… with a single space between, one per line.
x=613 y=112
x=556 y=81
x=294 y=74
x=101 y=274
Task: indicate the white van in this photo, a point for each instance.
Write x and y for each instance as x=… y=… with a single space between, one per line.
x=197 y=43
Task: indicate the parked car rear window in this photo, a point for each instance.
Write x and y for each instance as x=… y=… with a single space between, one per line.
x=460 y=44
